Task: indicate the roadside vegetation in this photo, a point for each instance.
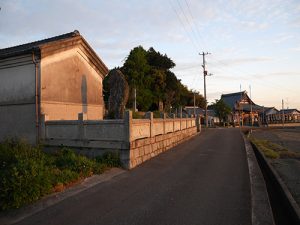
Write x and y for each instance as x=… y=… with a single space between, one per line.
x=272 y=150
x=27 y=173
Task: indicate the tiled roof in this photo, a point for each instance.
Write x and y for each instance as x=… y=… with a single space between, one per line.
x=289 y=111
x=254 y=107
x=232 y=98
x=24 y=48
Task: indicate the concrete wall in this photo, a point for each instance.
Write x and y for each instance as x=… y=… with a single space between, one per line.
x=69 y=85
x=137 y=140
x=17 y=98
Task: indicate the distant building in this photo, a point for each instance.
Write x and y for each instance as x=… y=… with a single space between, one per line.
x=290 y=114
x=242 y=108
x=269 y=111
x=266 y=113
x=212 y=118
x=59 y=77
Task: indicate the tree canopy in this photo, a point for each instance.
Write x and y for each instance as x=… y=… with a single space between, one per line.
x=222 y=110
x=149 y=72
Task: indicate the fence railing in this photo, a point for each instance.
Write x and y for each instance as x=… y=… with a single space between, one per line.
x=279 y=118
x=125 y=130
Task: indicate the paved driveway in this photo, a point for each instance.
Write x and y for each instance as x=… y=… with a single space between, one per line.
x=202 y=181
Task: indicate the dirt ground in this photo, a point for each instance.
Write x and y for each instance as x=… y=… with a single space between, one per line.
x=287 y=168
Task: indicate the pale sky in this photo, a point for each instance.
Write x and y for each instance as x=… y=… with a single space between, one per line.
x=252 y=43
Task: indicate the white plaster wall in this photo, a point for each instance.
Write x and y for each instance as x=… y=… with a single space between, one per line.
x=17 y=80
x=17 y=98
x=18 y=121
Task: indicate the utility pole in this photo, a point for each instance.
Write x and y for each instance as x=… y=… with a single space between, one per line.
x=134 y=102
x=282 y=113
x=204 y=75
x=263 y=116
x=194 y=104
x=251 y=107
x=241 y=108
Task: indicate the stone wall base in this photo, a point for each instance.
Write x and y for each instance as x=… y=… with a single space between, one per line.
x=144 y=149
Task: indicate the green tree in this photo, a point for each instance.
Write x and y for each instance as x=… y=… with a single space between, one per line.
x=159 y=61
x=172 y=95
x=136 y=70
x=136 y=66
x=222 y=110
x=149 y=72
x=199 y=99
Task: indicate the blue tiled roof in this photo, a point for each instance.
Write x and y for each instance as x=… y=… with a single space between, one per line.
x=232 y=98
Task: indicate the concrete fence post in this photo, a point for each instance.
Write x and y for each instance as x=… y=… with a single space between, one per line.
x=164 y=121
x=173 y=117
x=180 y=116
x=43 y=127
x=125 y=154
x=198 y=123
x=128 y=125
x=81 y=131
x=151 y=125
x=149 y=115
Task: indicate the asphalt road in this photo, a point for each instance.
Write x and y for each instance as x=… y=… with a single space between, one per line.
x=202 y=181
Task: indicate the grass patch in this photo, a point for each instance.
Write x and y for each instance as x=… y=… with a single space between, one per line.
x=27 y=173
x=272 y=150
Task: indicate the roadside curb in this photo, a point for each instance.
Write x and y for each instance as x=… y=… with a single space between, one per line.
x=17 y=215
x=261 y=211
x=286 y=196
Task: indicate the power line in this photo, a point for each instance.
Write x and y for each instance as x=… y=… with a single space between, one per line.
x=188 y=68
x=195 y=37
x=184 y=27
x=195 y=25
x=188 y=21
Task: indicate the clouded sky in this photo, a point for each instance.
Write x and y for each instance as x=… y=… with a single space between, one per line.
x=253 y=43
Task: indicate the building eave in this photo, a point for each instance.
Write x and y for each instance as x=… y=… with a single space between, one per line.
x=55 y=44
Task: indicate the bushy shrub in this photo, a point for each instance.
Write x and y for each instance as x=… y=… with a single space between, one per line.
x=24 y=175
x=67 y=159
x=27 y=173
x=63 y=176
